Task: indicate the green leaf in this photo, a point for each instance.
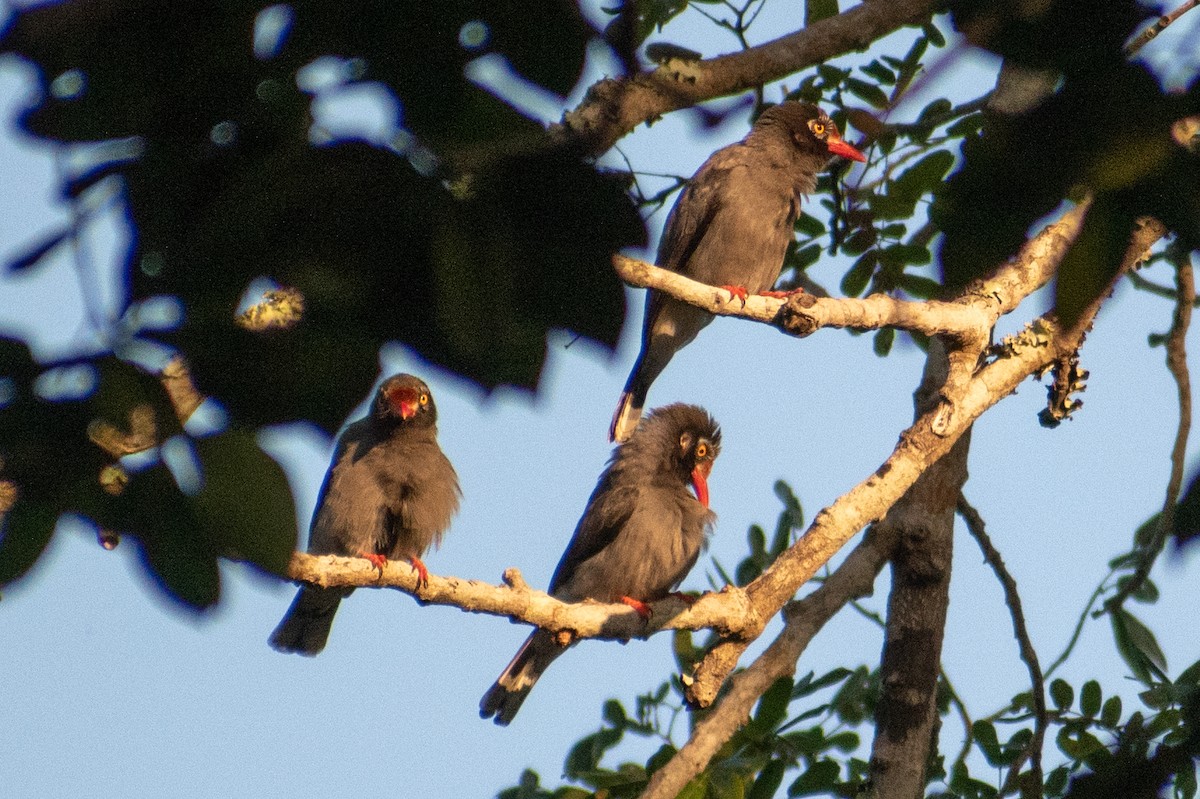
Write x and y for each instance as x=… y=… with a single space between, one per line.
x=1110 y=714
x=920 y=287
x=768 y=780
x=817 y=10
x=245 y=503
x=819 y=778
x=879 y=72
x=933 y=34
x=831 y=74
x=772 y=707
x=809 y=225
x=854 y=283
x=613 y=712
x=1137 y=645
x=984 y=733
x=1062 y=694
x=883 y=340
x=1089 y=698
x=1077 y=743
x=1056 y=781
x=923 y=177
x=809 y=686
x=867 y=92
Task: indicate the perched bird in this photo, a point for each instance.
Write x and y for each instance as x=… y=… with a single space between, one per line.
x=638 y=538
x=390 y=492
x=730 y=228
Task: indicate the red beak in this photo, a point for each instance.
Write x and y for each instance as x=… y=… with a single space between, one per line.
x=700 y=482
x=405 y=401
x=838 y=146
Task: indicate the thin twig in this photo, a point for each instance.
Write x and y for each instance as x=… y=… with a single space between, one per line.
x=1144 y=38
x=1083 y=617
x=1144 y=284
x=1029 y=655
x=1177 y=364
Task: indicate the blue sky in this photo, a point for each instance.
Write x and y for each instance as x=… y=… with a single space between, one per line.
x=110 y=692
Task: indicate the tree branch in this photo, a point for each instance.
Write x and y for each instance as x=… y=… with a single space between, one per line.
x=920 y=445
x=924 y=523
x=1037 y=681
x=854 y=578
x=727 y=612
x=612 y=108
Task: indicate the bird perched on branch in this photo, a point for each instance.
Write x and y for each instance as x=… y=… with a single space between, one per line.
x=389 y=493
x=640 y=535
x=730 y=228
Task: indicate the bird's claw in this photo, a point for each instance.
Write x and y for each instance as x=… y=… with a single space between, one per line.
x=422 y=572
x=377 y=560
x=641 y=607
x=686 y=599
x=738 y=292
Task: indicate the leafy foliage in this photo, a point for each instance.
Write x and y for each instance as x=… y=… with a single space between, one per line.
x=468 y=235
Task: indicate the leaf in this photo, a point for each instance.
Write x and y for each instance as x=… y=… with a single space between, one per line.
x=867 y=92
x=854 y=283
x=879 y=72
x=1077 y=743
x=819 y=778
x=883 y=340
x=1090 y=698
x=1136 y=645
x=984 y=733
x=817 y=10
x=246 y=505
x=773 y=705
x=768 y=780
x=809 y=225
x=1110 y=714
x=1062 y=694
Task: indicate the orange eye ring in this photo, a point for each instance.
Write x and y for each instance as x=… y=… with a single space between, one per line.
x=424 y=400
x=701 y=451
x=818 y=128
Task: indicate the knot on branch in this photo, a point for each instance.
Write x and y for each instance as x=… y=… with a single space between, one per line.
x=794 y=316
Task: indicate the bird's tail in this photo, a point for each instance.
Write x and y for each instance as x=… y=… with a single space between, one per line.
x=504 y=698
x=305 y=628
x=629 y=412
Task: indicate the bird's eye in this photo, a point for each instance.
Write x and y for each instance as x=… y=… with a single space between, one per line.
x=701 y=451
x=424 y=399
x=818 y=128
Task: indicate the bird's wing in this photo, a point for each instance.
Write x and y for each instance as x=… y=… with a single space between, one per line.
x=699 y=202
x=607 y=513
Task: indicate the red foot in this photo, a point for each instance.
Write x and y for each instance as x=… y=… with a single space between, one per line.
x=377 y=560
x=781 y=295
x=687 y=599
x=422 y=572
x=641 y=607
x=737 y=291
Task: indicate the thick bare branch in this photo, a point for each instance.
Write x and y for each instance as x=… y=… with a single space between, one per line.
x=804 y=314
x=923 y=521
x=613 y=108
x=728 y=611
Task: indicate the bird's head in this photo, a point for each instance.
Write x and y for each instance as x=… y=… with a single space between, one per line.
x=405 y=399
x=811 y=130
x=699 y=443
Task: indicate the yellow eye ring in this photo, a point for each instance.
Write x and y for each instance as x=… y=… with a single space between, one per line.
x=817 y=128
x=701 y=450
x=424 y=399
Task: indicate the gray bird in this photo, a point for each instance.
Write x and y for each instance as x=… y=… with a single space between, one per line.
x=640 y=535
x=390 y=492
x=730 y=228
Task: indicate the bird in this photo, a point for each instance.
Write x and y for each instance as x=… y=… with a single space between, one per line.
x=730 y=227
x=389 y=493
x=639 y=536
